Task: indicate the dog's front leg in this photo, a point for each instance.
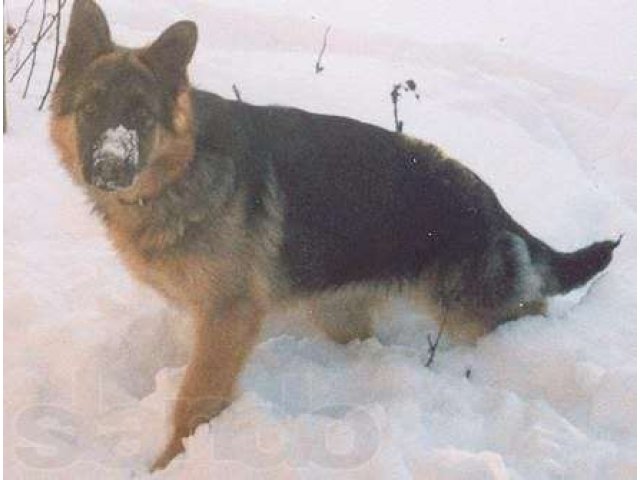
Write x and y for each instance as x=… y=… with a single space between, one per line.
x=223 y=342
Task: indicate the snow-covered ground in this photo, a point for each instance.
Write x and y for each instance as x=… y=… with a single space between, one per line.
x=536 y=96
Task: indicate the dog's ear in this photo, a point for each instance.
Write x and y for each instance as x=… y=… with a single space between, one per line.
x=88 y=37
x=170 y=54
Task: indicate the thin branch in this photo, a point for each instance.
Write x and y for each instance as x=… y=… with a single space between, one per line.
x=4 y=83
x=34 y=44
x=18 y=53
x=236 y=92
x=35 y=52
x=319 y=67
x=433 y=345
x=54 y=62
x=395 y=95
x=12 y=40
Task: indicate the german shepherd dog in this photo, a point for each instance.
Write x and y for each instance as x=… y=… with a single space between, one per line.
x=230 y=210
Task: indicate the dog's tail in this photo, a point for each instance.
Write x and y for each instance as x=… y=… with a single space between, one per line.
x=562 y=272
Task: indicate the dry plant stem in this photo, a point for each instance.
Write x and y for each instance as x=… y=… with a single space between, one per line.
x=16 y=35
x=35 y=48
x=236 y=92
x=4 y=93
x=18 y=52
x=395 y=96
x=54 y=61
x=433 y=346
x=35 y=43
x=319 y=67
x=395 y=117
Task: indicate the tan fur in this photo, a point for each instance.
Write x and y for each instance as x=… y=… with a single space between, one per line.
x=346 y=314
x=63 y=133
x=227 y=298
x=221 y=350
x=535 y=307
x=188 y=279
x=460 y=325
x=182 y=114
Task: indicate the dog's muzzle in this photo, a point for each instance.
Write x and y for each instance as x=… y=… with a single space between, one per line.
x=115 y=159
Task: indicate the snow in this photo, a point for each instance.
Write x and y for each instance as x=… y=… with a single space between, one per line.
x=119 y=142
x=538 y=97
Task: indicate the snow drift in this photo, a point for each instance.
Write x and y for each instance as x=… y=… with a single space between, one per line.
x=535 y=98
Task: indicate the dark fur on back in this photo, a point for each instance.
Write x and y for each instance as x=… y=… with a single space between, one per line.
x=360 y=203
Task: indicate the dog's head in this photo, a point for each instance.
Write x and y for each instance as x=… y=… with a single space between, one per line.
x=121 y=117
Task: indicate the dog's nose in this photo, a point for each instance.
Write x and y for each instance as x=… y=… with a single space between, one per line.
x=111 y=172
x=115 y=159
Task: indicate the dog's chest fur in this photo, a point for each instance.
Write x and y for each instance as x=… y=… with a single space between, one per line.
x=184 y=254
x=191 y=243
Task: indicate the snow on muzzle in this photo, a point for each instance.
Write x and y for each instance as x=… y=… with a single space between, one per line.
x=115 y=159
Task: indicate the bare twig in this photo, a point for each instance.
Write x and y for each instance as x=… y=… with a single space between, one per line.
x=396 y=93
x=17 y=52
x=236 y=92
x=16 y=34
x=319 y=67
x=4 y=85
x=4 y=93
x=54 y=62
x=433 y=345
x=35 y=48
x=34 y=44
